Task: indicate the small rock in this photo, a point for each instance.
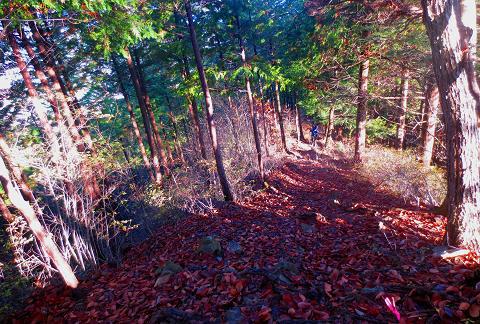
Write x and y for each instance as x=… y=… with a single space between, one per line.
x=234 y=247
x=308 y=228
x=169 y=268
x=210 y=245
x=162 y=280
x=286 y=266
x=234 y=315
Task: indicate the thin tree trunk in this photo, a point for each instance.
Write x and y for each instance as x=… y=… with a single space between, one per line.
x=151 y=115
x=361 y=131
x=209 y=108
x=331 y=123
x=264 y=117
x=451 y=28
x=146 y=119
x=32 y=93
x=52 y=54
x=178 y=147
x=278 y=110
x=41 y=76
x=193 y=108
x=251 y=108
x=429 y=122
x=43 y=237
x=136 y=129
x=403 y=111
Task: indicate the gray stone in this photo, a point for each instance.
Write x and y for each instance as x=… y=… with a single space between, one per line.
x=234 y=247
x=234 y=315
x=210 y=245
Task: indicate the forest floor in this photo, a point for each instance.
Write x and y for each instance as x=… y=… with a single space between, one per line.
x=319 y=244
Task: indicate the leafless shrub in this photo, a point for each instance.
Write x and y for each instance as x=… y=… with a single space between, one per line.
x=400 y=173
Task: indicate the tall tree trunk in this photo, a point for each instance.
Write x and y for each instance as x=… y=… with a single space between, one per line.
x=451 y=28
x=151 y=115
x=50 y=55
x=209 y=108
x=403 y=110
x=136 y=129
x=145 y=116
x=32 y=93
x=193 y=108
x=173 y=120
x=361 y=131
x=251 y=108
x=264 y=117
x=331 y=123
x=279 y=112
x=41 y=76
x=43 y=237
x=429 y=122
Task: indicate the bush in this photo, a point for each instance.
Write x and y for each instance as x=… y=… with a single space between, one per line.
x=403 y=176
x=379 y=129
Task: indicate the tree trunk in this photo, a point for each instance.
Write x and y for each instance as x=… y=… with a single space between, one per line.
x=451 y=28
x=193 y=108
x=403 y=111
x=145 y=116
x=209 y=108
x=178 y=147
x=251 y=108
x=329 y=129
x=41 y=76
x=136 y=129
x=32 y=93
x=278 y=110
x=429 y=122
x=361 y=131
x=264 y=117
x=151 y=115
x=50 y=56
x=43 y=237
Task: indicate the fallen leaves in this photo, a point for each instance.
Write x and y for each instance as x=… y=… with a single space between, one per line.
x=287 y=253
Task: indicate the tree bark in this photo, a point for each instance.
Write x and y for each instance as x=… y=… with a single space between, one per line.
x=32 y=93
x=264 y=117
x=403 y=111
x=145 y=116
x=429 y=122
x=43 y=237
x=329 y=129
x=151 y=115
x=209 y=107
x=50 y=55
x=251 y=108
x=451 y=28
x=361 y=131
x=133 y=120
x=278 y=111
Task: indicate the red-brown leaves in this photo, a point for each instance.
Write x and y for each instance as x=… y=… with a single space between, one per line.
x=338 y=267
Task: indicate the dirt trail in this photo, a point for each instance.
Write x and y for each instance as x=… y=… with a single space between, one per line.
x=318 y=244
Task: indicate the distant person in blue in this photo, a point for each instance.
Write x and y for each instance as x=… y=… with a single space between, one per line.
x=314 y=134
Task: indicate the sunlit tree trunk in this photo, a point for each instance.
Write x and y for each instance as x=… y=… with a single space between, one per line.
x=209 y=108
x=330 y=125
x=429 y=122
x=43 y=237
x=403 y=110
x=451 y=28
x=151 y=115
x=50 y=55
x=47 y=129
x=361 y=131
x=176 y=135
x=133 y=120
x=264 y=117
x=145 y=116
x=279 y=113
x=251 y=108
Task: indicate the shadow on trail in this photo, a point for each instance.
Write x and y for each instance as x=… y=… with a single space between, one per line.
x=310 y=247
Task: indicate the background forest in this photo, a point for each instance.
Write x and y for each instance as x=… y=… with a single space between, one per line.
x=118 y=117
